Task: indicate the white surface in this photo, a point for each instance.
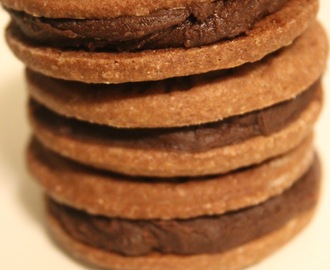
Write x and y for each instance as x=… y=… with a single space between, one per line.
x=24 y=243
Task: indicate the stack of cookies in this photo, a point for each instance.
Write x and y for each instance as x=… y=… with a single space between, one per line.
x=172 y=134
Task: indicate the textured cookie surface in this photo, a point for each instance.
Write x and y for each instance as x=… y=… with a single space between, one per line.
x=109 y=194
x=164 y=163
x=181 y=101
x=270 y=34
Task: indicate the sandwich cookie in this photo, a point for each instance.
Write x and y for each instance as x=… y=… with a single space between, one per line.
x=253 y=42
x=189 y=151
x=195 y=25
x=121 y=189
x=229 y=241
x=110 y=194
x=181 y=101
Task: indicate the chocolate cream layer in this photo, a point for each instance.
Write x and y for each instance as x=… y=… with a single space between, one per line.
x=199 y=138
x=206 y=234
x=196 y=25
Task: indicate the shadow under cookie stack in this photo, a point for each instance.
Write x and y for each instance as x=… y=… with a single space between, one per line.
x=172 y=134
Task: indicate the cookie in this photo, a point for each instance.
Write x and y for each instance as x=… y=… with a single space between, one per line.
x=98 y=8
x=110 y=194
x=181 y=101
x=210 y=167
x=247 y=242
x=269 y=34
x=197 y=138
x=203 y=234
x=234 y=259
x=158 y=153
x=195 y=25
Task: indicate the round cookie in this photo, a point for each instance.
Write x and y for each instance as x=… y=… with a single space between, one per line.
x=111 y=195
x=270 y=34
x=199 y=235
x=234 y=259
x=161 y=163
x=197 y=138
x=180 y=102
x=191 y=26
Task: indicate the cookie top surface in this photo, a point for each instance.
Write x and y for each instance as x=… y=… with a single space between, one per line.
x=271 y=33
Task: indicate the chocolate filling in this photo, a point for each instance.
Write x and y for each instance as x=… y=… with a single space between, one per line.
x=196 y=25
x=193 y=138
x=207 y=234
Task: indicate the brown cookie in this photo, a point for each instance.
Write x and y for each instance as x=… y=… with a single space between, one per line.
x=109 y=194
x=271 y=33
x=199 y=235
x=234 y=259
x=128 y=159
x=192 y=139
x=181 y=101
x=97 y=8
x=191 y=26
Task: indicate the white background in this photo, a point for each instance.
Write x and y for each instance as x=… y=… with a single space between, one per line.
x=24 y=243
